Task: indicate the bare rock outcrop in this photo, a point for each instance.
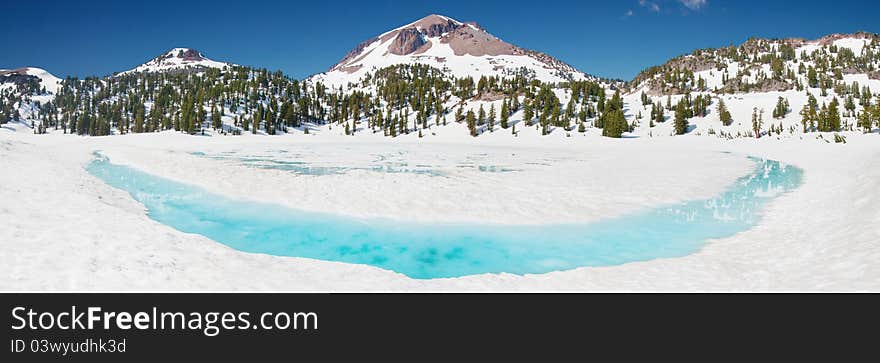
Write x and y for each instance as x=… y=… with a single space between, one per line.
x=407 y=41
x=190 y=55
x=434 y=26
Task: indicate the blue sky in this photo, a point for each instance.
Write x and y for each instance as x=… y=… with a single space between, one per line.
x=614 y=39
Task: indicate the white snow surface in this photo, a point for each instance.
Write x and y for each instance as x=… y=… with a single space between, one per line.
x=64 y=229
x=47 y=79
x=854 y=44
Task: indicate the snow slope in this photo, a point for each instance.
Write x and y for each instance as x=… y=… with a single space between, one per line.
x=460 y=49
x=47 y=79
x=66 y=230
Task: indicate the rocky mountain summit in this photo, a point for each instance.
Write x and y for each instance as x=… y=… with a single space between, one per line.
x=460 y=49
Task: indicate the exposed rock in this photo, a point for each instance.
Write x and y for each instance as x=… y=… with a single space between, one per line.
x=187 y=55
x=350 y=69
x=476 y=42
x=490 y=96
x=547 y=59
x=21 y=71
x=768 y=85
x=433 y=26
x=407 y=41
x=190 y=55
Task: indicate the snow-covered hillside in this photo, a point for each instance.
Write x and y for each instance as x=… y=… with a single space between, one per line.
x=178 y=59
x=804 y=76
x=460 y=49
x=26 y=89
x=10 y=78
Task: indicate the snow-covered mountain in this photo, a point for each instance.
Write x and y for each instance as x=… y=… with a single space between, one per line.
x=12 y=78
x=460 y=49
x=178 y=59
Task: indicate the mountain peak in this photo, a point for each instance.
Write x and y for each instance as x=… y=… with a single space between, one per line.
x=433 y=20
x=459 y=48
x=178 y=59
x=186 y=54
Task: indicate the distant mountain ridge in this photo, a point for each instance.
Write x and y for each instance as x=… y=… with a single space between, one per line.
x=438 y=72
x=772 y=56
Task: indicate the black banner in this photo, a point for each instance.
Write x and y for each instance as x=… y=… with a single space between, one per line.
x=229 y=327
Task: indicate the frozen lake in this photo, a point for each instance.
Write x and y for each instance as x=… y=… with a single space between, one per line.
x=435 y=250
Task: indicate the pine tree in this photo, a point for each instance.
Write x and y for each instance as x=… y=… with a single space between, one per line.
x=850 y=105
x=781 y=108
x=504 y=115
x=724 y=113
x=471 y=120
x=757 y=121
x=257 y=120
x=806 y=117
x=491 y=118
x=528 y=112
x=437 y=118
x=216 y=119
x=657 y=115
x=139 y=119
x=865 y=120
x=615 y=124
x=875 y=111
x=822 y=119
x=812 y=78
x=681 y=123
x=833 y=116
